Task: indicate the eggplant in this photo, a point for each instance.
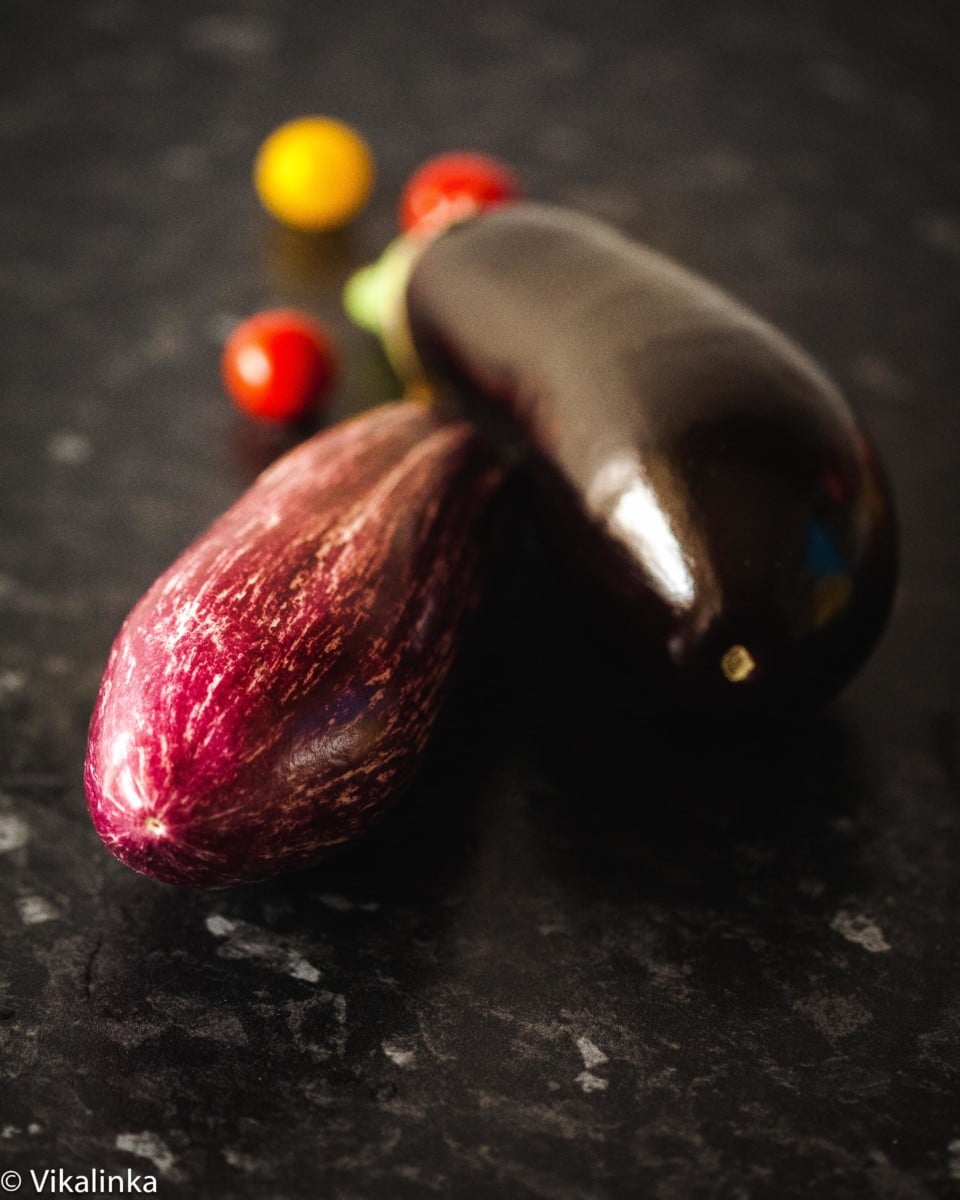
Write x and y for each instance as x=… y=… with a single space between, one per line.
x=271 y=695
x=707 y=478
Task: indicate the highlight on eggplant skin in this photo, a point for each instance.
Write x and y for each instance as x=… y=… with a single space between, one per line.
x=701 y=472
x=272 y=693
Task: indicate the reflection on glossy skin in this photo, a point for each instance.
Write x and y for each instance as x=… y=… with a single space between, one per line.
x=701 y=470
x=638 y=520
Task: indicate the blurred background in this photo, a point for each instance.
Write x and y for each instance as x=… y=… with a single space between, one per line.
x=587 y=956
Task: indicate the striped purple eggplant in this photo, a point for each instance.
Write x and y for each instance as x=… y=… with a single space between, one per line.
x=272 y=693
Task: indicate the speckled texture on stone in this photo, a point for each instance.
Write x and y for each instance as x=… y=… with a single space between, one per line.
x=590 y=956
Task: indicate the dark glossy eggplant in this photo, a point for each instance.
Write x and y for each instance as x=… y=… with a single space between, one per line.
x=704 y=472
x=272 y=693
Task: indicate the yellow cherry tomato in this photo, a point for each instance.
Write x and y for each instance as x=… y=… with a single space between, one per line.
x=314 y=173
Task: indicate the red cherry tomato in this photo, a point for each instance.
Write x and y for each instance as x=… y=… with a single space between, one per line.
x=452 y=185
x=279 y=365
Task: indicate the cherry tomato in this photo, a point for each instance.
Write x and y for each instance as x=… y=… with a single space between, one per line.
x=452 y=185
x=279 y=365
x=314 y=173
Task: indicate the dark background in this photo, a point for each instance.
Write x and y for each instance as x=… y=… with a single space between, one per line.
x=589 y=956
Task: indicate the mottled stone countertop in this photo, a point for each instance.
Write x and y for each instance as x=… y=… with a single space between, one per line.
x=588 y=956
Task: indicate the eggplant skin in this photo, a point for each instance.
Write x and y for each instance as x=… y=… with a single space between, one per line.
x=700 y=472
x=271 y=695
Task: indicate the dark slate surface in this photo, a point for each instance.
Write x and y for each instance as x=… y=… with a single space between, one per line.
x=589 y=956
